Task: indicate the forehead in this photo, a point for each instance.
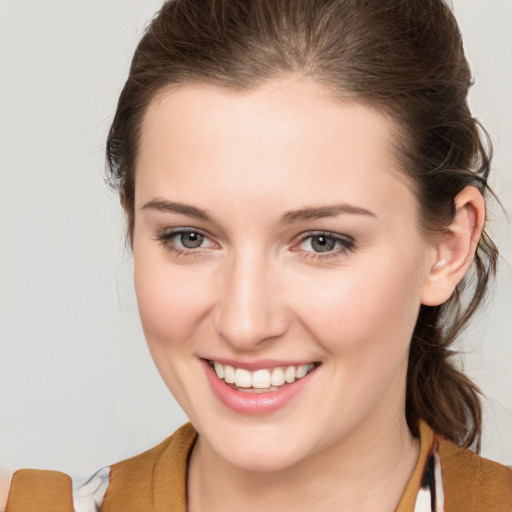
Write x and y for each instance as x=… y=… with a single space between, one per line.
x=289 y=140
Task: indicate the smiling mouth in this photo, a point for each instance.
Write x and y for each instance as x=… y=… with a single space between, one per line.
x=263 y=380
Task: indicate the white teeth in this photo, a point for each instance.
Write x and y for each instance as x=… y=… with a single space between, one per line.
x=264 y=379
x=261 y=379
x=219 y=369
x=277 y=378
x=229 y=374
x=243 y=378
x=301 y=371
x=289 y=374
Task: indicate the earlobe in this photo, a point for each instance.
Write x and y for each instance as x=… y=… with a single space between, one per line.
x=454 y=249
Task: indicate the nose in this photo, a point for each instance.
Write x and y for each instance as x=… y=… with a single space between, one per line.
x=251 y=310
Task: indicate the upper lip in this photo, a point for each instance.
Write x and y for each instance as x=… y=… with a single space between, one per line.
x=258 y=365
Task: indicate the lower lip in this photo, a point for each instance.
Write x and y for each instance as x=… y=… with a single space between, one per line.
x=254 y=404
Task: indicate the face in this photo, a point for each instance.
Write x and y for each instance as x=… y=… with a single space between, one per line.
x=275 y=237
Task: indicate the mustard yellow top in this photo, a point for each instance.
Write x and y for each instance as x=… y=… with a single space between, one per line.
x=156 y=481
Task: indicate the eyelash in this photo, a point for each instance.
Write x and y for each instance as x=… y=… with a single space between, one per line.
x=346 y=244
x=166 y=239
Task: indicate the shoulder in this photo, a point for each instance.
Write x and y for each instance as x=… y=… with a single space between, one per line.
x=175 y=446
x=149 y=481
x=154 y=478
x=471 y=482
x=40 y=491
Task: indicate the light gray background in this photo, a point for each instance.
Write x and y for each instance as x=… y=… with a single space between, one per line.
x=77 y=386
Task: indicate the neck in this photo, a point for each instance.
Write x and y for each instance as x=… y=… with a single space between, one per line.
x=365 y=471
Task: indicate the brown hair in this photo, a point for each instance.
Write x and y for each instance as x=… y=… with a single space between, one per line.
x=403 y=56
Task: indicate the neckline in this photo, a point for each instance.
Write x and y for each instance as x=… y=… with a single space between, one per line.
x=171 y=470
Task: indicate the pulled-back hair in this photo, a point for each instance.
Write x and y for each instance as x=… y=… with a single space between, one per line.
x=404 y=57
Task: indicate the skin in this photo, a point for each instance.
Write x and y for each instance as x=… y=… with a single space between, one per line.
x=5 y=482
x=257 y=289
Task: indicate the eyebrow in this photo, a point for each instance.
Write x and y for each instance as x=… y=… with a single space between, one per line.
x=321 y=212
x=183 y=209
x=301 y=215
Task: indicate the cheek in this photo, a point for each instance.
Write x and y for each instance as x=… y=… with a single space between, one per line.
x=171 y=309
x=171 y=301
x=373 y=304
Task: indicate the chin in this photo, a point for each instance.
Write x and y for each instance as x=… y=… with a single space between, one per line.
x=258 y=448
x=259 y=459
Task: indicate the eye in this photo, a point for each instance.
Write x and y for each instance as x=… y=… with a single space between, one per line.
x=185 y=241
x=190 y=239
x=322 y=244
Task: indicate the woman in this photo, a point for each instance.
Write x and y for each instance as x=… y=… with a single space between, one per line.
x=304 y=187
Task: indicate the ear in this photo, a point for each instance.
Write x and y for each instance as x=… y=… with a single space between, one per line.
x=454 y=249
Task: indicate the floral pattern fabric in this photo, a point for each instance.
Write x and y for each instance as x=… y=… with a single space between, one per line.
x=431 y=494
